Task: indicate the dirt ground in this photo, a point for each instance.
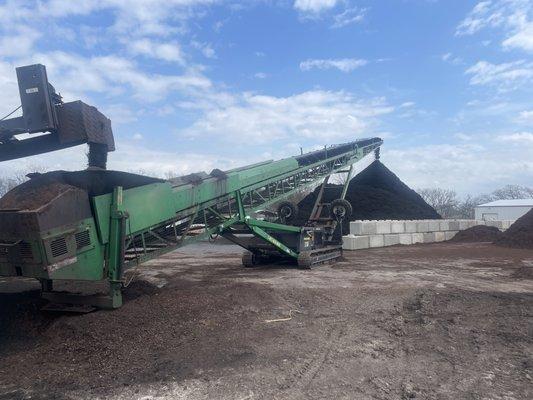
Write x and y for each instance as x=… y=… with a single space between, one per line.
x=439 y=321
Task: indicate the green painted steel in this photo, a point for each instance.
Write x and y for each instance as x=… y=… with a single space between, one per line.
x=135 y=225
x=147 y=205
x=273 y=241
x=84 y=263
x=151 y=204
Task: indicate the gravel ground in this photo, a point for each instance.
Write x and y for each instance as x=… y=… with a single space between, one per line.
x=440 y=321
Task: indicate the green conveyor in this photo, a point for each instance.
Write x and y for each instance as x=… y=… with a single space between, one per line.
x=94 y=225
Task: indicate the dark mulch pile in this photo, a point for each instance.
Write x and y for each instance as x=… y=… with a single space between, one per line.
x=376 y=193
x=42 y=188
x=520 y=234
x=478 y=233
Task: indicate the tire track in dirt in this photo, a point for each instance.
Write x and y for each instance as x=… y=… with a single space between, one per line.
x=304 y=375
x=299 y=381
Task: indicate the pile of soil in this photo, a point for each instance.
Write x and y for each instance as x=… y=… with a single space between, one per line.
x=478 y=233
x=376 y=193
x=520 y=234
x=42 y=188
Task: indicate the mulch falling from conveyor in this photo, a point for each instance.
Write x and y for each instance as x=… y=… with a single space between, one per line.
x=376 y=193
x=520 y=234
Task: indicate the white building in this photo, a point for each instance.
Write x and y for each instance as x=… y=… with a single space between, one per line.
x=502 y=210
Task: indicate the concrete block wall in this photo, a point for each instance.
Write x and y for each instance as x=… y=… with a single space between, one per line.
x=370 y=234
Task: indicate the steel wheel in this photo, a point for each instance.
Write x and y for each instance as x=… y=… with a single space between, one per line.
x=287 y=211
x=340 y=209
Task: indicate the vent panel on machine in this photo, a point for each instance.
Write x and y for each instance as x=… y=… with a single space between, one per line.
x=83 y=239
x=25 y=250
x=58 y=247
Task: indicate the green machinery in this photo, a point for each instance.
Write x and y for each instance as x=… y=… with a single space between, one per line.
x=95 y=224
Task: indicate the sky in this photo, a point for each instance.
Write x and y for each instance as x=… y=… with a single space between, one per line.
x=193 y=85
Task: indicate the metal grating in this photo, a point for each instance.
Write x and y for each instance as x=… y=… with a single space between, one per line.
x=58 y=247
x=25 y=250
x=83 y=239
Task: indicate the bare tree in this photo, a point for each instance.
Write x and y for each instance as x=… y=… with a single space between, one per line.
x=509 y=192
x=444 y=201
x=447 y=205
x=9 y=182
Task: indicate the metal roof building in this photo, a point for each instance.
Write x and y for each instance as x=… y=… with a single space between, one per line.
x=502 y=210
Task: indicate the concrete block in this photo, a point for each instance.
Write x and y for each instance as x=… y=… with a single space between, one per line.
x=356 y=227
x=444 y=225
x=429 y=237
x=406 y=238
x=506 y=224
x=433 y=225
x=497 y=224
x=417 y=238
x=422 y=226
x=410 y=226
x=383 y=227
x=351 y=242
x=376 y=240
x=471 y=222
x=463 y=224
x=454 y=225
x=391 y=239
x=369 y=227
x=347 y=242
x=397 y=227
x=440 y=236
x=481 y=222
x=449 y=234
x=490 y=223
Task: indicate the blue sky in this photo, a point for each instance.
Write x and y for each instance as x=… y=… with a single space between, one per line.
x=196 y=84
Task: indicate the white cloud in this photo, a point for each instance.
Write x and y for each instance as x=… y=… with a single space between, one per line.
x=205 y=48
x=463 y=136
x=465 y=167
x=514 y=17
x=348 y=16
x=8 y=88
x=19 y=41
x=134 y=17
x=261 y=75
x=162 y=163
x=319 y=116
x=119 y=114
x=449 y=57
x=129 y=156
x=137 y=136
x=314 y=6
x=157 y=50
x=522 y=39
x=519 y=138
x=342 y=64
x=76 y=75
x=505 y=76
x=113 y=75
x=482 y=15
x=526 y=117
